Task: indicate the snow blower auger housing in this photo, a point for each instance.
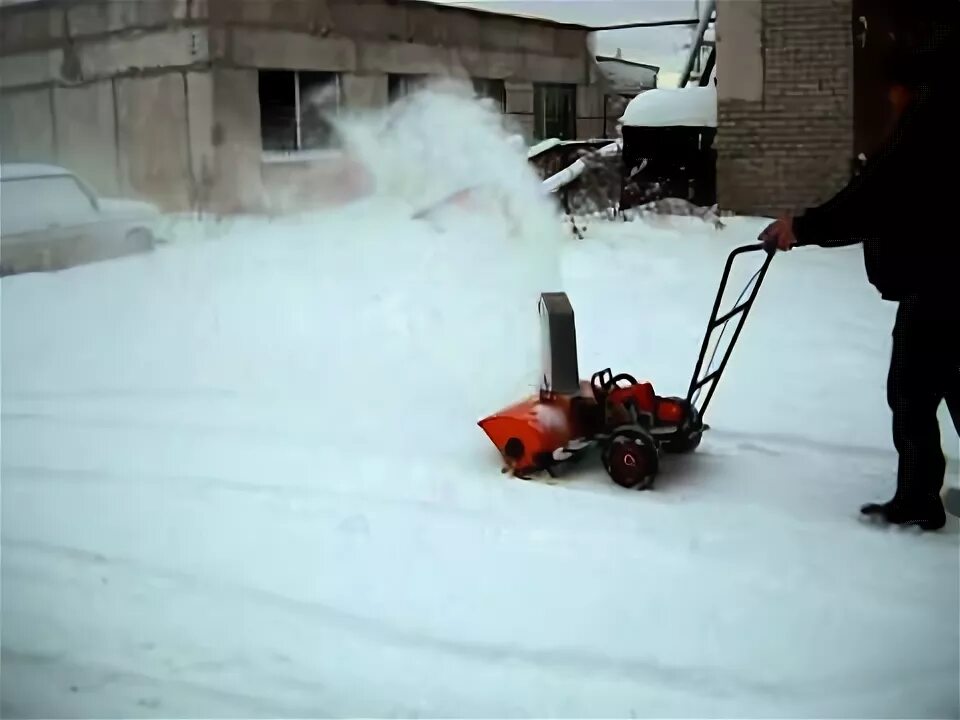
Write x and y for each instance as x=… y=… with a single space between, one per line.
x=630 y=424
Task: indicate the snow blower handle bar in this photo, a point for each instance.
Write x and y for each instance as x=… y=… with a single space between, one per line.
x=741 y=308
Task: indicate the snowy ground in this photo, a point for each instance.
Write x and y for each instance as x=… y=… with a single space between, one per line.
x=242 y=478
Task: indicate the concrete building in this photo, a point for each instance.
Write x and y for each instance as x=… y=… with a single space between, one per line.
x=800 y=95
x=210 y=103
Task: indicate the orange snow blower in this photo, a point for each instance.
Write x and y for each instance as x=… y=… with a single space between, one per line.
x=630 y=424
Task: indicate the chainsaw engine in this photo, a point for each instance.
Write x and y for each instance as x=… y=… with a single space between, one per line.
x=628 y=401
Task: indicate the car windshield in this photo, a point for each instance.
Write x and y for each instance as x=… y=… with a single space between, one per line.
x=37 y=203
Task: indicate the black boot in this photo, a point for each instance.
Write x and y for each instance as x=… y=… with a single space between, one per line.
x=923 y=365
x=926 y=513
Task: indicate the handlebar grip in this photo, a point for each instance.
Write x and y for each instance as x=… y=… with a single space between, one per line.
x=753 y=247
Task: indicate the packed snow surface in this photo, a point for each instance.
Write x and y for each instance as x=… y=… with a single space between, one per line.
x=242 y=477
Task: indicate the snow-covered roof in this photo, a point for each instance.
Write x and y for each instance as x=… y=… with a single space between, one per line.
x=492 y=8
x=16 y=171
x=592 y=14
x=626 y=75
x=692 y=106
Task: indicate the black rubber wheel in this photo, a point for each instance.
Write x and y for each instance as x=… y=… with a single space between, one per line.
x=689 y=439
x=140 y=240
x=630 y=458
x=685 y=443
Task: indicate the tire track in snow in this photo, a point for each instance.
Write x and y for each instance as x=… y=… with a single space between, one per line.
x=513 y=520
x=715 y=681
x=41 y=473
x=509 y=520
x=108 y=393
x=757 y=441
x=783 y=443
x=108 y=674
x=168 y=668
x=751 y=441
x=506 y=522
x=312 y=432
x=266 y=433
x=572 y=660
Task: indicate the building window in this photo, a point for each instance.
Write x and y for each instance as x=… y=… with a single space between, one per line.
x=555 y=111
x=295 y=107
x=399 y=86
x=493 y=89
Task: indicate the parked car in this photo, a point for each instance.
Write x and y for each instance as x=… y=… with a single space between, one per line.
x=50 y=219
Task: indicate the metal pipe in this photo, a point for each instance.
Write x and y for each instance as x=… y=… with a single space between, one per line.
x=708 y=68
x=705 y=18
x=696 y=11
x=654 y=23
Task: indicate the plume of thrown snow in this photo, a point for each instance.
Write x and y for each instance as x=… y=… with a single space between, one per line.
x=440 y=147
x=403 y=317
x=484 y=241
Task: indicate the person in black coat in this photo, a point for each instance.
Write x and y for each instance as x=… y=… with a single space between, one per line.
x=901 y=207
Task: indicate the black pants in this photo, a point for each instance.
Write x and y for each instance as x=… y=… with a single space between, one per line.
x=924 y=371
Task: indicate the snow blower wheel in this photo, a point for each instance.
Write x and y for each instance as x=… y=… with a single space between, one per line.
x=684 y=443
x=688 y=437
x=630 y=458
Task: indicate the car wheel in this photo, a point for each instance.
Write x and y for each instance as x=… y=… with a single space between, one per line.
x=141 y=240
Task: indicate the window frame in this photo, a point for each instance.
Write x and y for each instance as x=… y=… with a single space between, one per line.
x=405 y=81
x=541 y=92
x=336 y=79
x=482 y=84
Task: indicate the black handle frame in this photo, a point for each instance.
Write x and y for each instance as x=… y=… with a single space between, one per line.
x=718 y=321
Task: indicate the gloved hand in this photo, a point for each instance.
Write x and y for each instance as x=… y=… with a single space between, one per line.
x=778 y=235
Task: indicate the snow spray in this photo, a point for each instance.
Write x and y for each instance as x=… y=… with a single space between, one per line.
x=404 y=316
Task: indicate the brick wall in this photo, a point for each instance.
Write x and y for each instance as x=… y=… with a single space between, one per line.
x=794 y=146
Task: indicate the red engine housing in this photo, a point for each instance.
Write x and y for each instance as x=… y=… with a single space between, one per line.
x=642 y=398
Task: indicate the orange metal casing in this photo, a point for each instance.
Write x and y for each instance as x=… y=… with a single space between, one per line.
x=542 y=423
x=670 y=412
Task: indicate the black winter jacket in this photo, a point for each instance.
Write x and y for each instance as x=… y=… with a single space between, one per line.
x=903 y=205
